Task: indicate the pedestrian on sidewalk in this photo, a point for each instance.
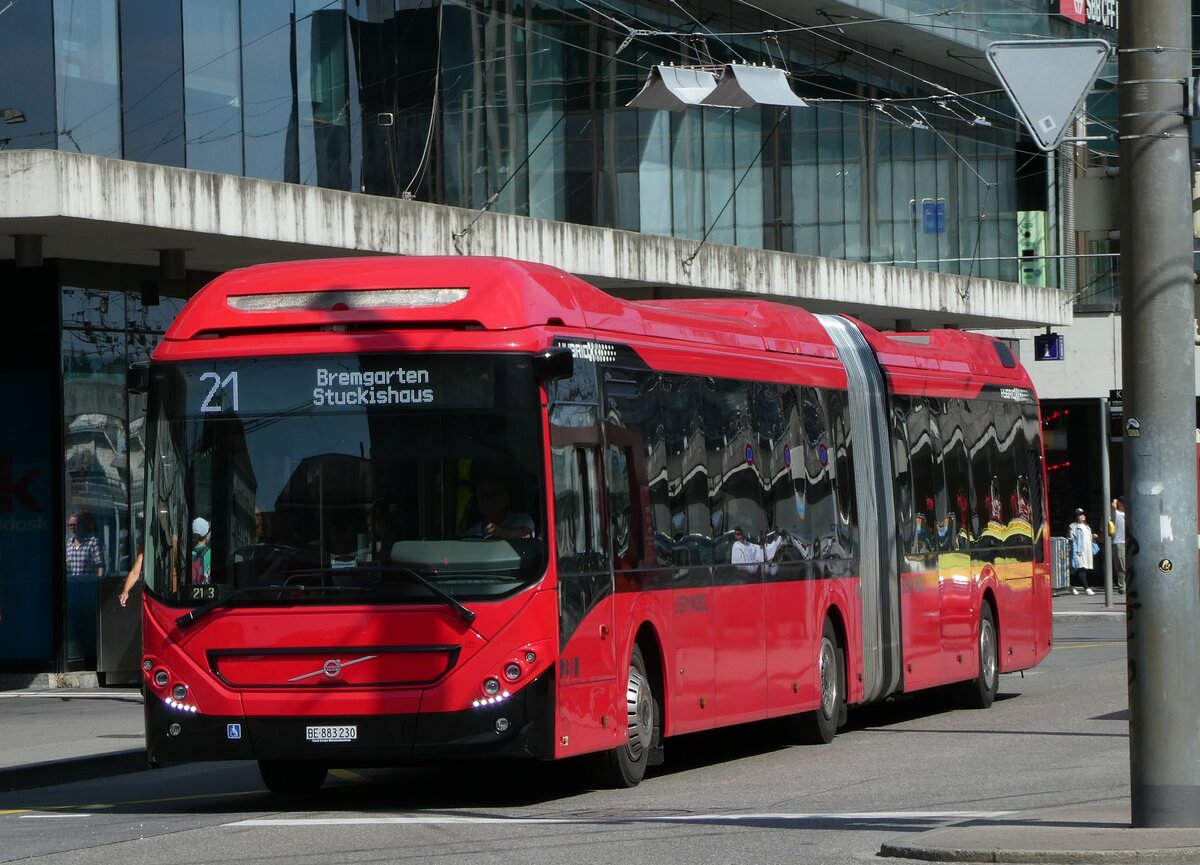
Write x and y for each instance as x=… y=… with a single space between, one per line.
x=85 y=566
x=1083 y=548
x=1118 y=543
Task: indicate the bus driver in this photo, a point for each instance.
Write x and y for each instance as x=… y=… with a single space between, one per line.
x=495 y=519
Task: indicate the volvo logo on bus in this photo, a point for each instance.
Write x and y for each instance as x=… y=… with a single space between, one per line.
x=332 y=668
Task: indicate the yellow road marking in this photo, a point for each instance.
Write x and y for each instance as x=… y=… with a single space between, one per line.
x=96 y=806
x=1091 y=645
x=176 y=799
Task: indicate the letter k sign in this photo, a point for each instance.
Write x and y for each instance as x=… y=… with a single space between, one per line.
x=18 y=491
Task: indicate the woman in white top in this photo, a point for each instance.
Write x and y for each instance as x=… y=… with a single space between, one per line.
x=1082 y=545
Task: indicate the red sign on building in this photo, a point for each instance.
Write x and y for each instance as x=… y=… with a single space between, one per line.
x=1100 y=12
x=1075 y=10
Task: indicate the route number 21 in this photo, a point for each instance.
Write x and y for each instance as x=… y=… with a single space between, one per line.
x=228 y=384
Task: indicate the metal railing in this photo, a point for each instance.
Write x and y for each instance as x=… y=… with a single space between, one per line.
x=1060 y=563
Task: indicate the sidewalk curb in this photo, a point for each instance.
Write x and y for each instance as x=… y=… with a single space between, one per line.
x=1064 y=856
x=55 y=772
x=1090 y=616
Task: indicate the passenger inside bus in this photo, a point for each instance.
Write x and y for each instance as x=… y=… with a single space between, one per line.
x=384 y=527
x=492 y=499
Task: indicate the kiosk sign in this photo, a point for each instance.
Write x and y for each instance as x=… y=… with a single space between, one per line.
x=1101 y=12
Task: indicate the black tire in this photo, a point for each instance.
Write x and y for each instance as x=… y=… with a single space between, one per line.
x=625 y=766
x=819 y=726
x=292 y=777
x=979 y=692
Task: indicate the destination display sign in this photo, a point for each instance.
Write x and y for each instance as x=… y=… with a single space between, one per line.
x=267 y=386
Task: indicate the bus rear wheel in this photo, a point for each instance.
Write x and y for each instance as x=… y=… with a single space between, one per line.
x=292 y=777
x=979 y=692
x=625 y=765
x=819 y=726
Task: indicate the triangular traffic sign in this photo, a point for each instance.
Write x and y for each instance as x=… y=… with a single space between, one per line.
x=1048 y=80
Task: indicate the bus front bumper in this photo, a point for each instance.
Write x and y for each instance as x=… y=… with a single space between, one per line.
x=521 y=726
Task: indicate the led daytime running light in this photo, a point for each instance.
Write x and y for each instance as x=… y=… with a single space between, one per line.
x=180 y=707
x=491 y=701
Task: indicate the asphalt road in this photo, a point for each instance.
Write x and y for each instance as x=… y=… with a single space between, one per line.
x=1056 y=736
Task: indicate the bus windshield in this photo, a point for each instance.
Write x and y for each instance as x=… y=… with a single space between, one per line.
x=365 y=478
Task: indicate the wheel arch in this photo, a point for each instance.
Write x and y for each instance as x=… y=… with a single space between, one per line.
x=648 y=638
x=834 y=613
x=838 y=619
x=988 y=599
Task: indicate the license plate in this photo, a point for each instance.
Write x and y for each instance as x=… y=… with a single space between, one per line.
x=332 y=733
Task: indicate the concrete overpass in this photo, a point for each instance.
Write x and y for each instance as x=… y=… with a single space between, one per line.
x=96 y=209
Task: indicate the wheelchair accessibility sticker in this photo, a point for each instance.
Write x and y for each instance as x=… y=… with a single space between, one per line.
x=233 y=731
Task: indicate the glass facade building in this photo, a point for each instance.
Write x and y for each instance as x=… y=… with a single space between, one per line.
x=518 y=106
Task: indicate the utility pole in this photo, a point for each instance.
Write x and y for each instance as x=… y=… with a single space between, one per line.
x=1158 y=340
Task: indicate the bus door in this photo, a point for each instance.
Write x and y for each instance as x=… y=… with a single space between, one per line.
x=581 y=546
x=957 y=586
x=957 y=576
x=920 y=578
x=740 y=422
x=680 y=498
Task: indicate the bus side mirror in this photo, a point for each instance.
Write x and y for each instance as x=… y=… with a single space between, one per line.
x=137 y=377
x=554 y=363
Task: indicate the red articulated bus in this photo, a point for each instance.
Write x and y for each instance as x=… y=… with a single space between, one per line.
x=413 y=508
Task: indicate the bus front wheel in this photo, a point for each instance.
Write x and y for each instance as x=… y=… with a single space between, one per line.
x=292 y=777
x=625 y=765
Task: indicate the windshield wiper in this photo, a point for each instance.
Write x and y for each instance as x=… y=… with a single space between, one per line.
x=191 y=616
x=383 y=570
x=465 y=614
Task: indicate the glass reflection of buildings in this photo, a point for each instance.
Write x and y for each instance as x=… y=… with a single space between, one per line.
x=522 y=108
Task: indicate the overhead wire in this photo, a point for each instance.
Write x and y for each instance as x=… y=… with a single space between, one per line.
x=797 y=28
x=942 y=91
x=437 y=77
x=846 y=101
x=725 y=44
x=332 y=2
x=631 y=33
